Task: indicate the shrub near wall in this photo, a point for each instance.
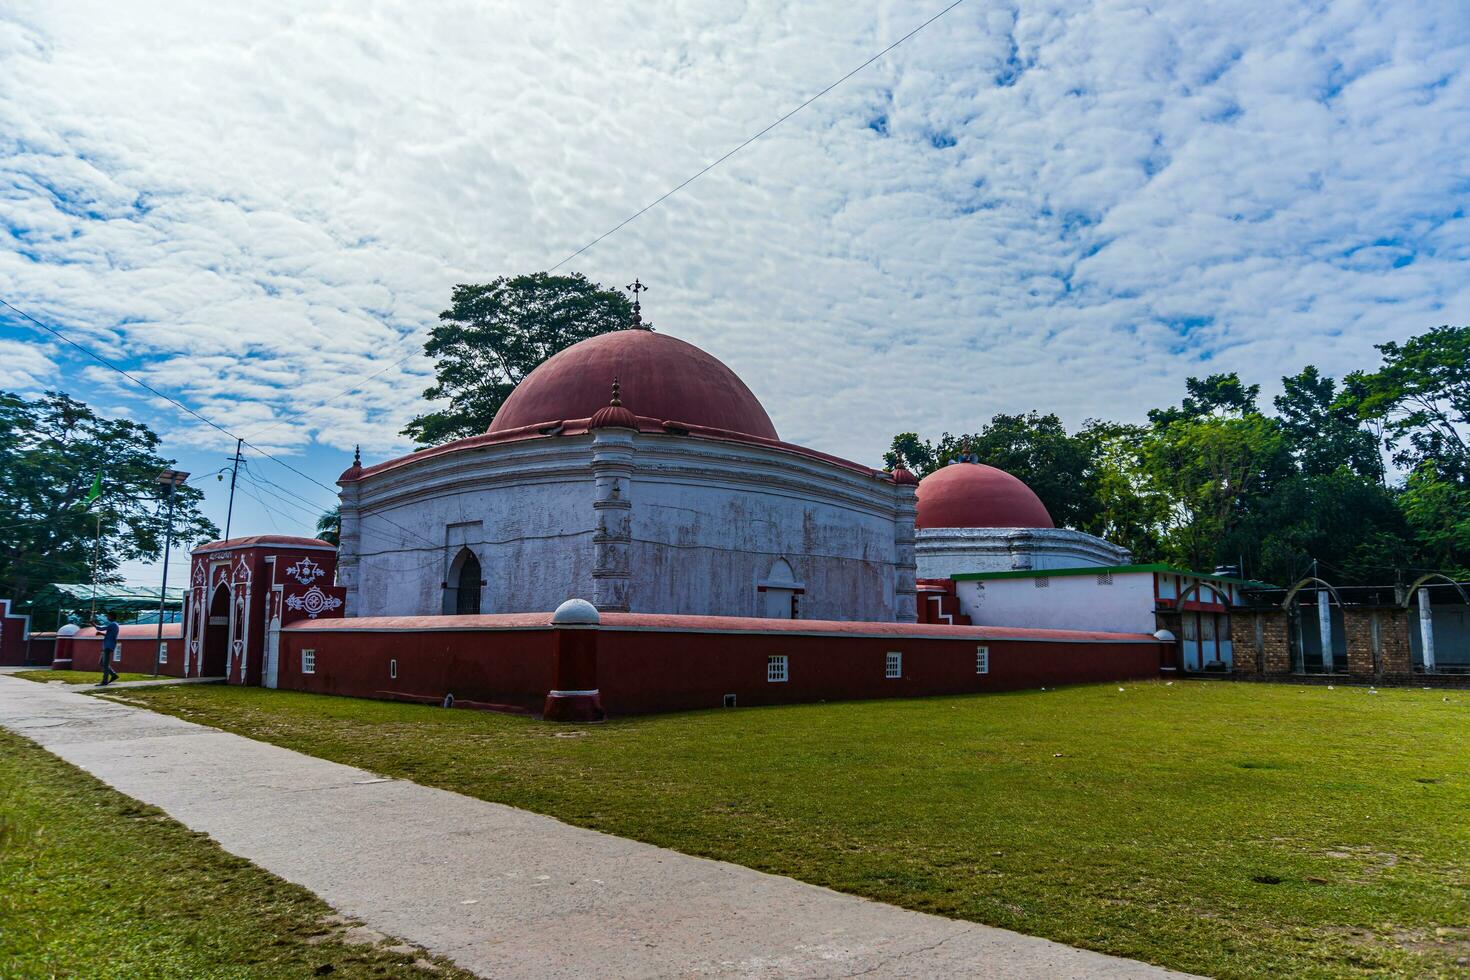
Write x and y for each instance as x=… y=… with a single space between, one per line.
x=648 y=664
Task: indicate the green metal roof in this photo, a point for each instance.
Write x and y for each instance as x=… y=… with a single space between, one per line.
x=1100 y=569
x=113 y=596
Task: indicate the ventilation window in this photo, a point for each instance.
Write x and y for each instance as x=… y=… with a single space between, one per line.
x=982 y=660
x=308 y=661
x=1042 y=582
x=117 y=653
x=893 y=666
x=729 y=700
x=776 y=668
x=393 y=670
x=163 y=653
x=1104 y=578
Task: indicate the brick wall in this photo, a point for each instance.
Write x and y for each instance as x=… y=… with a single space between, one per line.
x=1276 y=647
x=1393 y=635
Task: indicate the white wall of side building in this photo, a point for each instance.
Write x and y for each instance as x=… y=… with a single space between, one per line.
x=1120 y=602
x=682 y=524
x=944 y=552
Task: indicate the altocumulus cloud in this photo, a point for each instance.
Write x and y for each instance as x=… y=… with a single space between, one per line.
x=1062 y=205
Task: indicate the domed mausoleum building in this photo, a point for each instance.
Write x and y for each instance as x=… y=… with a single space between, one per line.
x=976 y=518
x=638 y=471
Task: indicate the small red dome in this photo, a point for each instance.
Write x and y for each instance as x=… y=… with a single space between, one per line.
x=613 y=417
x=904 y=478
x=662 y=377
x=976 y=495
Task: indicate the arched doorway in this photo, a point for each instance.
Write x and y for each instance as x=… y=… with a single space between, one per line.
x=463 y=587
x=1205 y=641
x=1316 y=633
x=216 y=634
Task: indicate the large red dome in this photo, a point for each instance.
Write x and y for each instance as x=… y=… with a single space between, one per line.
x=976 y=495
x=662 y=377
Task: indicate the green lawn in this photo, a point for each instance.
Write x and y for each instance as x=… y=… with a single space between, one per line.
x=47 y=676
x=1228 y=829
x=95 y=884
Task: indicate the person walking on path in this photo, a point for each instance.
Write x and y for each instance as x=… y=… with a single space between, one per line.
x=109 y=644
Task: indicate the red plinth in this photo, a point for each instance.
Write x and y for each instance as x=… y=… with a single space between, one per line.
x=574 y=696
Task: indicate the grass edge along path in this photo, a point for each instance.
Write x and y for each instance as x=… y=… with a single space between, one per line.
x=79 y=677
x=94 y=883
x=1228 y=829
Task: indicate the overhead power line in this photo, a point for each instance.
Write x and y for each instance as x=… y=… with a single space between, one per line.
x=750 y=139
x=185 y=408
x=611 y=231
x=641 y=211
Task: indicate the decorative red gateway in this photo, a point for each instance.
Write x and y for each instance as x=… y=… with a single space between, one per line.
x=976 y=495
x=662 y=377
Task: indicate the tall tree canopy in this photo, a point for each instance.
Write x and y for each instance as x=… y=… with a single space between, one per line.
x=1215 y=480
x=493 y=335
x=1035 y=448
x=52 y=453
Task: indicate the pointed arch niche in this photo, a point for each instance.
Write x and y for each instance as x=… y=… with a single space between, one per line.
x=463 y=585
x=778 y=595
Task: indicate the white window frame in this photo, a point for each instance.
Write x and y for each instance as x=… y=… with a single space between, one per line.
x=982 y=660
x=893 y=665
x=308 y=661
x=163 y=652
x=117 y=654
x=393 y=670
x=778 y=668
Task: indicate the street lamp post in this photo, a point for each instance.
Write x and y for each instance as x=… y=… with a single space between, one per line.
x=173 y=479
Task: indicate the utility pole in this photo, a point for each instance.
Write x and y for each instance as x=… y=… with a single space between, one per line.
x=173 y=479
x=96 y=554
x=234 y=472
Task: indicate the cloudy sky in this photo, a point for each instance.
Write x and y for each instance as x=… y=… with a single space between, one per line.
x=1060 y=205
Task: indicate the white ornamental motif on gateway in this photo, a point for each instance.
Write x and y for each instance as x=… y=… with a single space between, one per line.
x=305 y=571
x=313 y=602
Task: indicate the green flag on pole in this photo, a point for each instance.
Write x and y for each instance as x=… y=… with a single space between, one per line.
x=95 y=492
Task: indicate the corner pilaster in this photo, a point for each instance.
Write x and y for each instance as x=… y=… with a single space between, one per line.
x=905 y=560
x=612 y=470
x=349 y=546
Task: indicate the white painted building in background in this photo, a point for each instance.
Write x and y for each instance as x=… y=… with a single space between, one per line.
x=1197 y=608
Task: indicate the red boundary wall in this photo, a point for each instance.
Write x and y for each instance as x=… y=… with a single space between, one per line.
x=136 y=644
x=649 y=663
x=15 y=635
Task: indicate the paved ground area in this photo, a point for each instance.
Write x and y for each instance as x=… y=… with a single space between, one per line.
x=504 y=892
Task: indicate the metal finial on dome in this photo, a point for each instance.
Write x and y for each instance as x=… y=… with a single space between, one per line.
x=616 y=401
x=636 y=287
x=357 y=455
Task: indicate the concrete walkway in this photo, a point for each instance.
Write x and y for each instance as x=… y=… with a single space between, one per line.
x=504 y=892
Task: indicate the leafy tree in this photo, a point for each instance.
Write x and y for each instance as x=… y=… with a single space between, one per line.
x=1438 y=511
x=1218 y=394
x=1034 y=448
x=1421 y=395
x=329 y=526
x=51 y=452
x=1212 y=468
x=916 y=455
x=1322 y=428
x=493 y=335
x=1131 y=511
x=1350 y=523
